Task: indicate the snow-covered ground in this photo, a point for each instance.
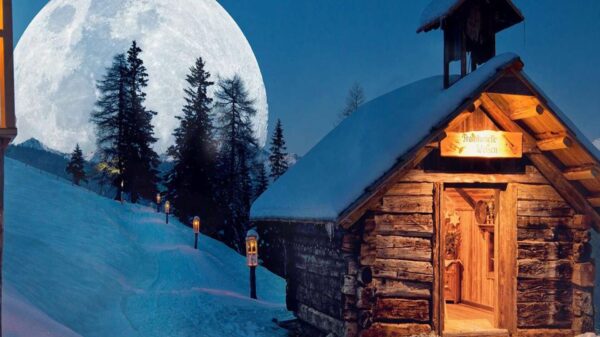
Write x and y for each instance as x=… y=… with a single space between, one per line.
x=77 y=264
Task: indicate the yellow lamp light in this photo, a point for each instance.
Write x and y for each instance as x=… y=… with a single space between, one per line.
x=167 y=207
x=196 y=224
x=252 y=248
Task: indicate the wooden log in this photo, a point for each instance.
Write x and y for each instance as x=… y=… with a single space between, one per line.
x=396 y=330
x=524 y=107
x=594 y=200
x=583 y=324
x=395 y=309
x=582 y=252
x=365 y=318
x=583 y=274
x=350 y=242
x=403 y=289
x=545 y=208
x=581 y=173
x=365 y=297
x=320 y=320
x=403 y=248
x=532 y=177
x=537 y=192
x=400 y=189
x=546 y=222
x=543 y=315
x=418 y=225
x=551 y=270
x=581 y=221
x=545 y=333
x=556 y=143
x=350 y=329
x=406 y=204
x=403 y=270
x=542 y=290
x=349 y=285
x=583 y=302
x=545 y=251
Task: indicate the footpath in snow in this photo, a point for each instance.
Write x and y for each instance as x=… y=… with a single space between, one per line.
x=77 y=264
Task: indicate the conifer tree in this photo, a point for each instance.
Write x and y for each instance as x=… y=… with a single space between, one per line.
x=76 y=166
x=190 y=182
x=124 y=128
x=262 y=180
x=238 y=148
x=278 y=156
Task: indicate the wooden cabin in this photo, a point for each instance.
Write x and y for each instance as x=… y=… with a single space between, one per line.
x=456 y=206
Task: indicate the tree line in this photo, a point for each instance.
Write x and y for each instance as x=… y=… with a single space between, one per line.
x=217 y=168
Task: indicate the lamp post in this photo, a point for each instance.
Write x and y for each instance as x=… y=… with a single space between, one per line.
x=167 y=209
x=196 y=225
x=121 y=191
x=252 y=259
x=158 y=197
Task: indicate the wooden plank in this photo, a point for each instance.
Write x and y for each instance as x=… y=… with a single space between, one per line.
x=594 y=200
x=465 y=195
x=396 y=330
x=551 y=270
x=541 y=222
x=545 y=251
x=404 y=289
x=419 y=225
x=543 y=164
x=406 y=204
x=320 y=320
x=506 y=275
x=396 y=309
x=556 y=143
x=438 y=266
x=581 y=173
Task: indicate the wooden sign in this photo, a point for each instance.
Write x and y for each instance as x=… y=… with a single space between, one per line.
x=482 y=144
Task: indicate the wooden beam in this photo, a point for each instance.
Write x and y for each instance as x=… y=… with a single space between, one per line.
x=594 y=200
x=459 y=119
x=544 y=165
x=581 y=173
x=522 y=106
x=526 y=112
x=556 y=143
x=467 y=197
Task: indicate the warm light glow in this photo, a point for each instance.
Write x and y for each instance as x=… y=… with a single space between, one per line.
x=482 y=144
x=158 y=198
x=252 y=250
x=196 y=224
x=167 y=207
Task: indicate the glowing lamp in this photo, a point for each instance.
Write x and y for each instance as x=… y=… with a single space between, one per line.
x=252 y=248
x=158 y=198
x=196 y=224
x=167 y=207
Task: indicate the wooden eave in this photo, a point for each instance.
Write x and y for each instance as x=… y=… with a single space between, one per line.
x=437 y=23
x=582 y=193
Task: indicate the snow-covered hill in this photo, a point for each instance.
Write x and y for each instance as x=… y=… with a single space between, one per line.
x=77 y=264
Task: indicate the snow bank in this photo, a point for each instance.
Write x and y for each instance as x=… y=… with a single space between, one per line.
x=77 y=264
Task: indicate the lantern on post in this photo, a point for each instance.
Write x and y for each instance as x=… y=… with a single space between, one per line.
x=196 y=225
x=158 y=197
x=121 y=190
x=167 y=210
x=252 y=259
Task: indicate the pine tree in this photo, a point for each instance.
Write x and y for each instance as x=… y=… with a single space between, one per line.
x=190 y=182
x=355 y=98
x=262 y=180
x=110 y=119
x=141 y=174
x=278 y=156
x=238 y=148
x=76 y=166
x=124 y=128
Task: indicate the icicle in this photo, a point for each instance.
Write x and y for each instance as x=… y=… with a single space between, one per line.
x=330 y=227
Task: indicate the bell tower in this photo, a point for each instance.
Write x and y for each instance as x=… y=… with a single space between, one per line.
x=470 y=28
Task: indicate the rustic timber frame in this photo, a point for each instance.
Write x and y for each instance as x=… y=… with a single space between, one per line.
x=376 y=270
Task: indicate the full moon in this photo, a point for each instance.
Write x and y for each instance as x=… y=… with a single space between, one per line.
x=70 y=43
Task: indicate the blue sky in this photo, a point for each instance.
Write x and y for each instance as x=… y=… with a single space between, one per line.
x=311 y=51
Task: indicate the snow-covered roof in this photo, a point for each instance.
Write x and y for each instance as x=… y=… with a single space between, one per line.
x=437 y=10
x=338 y=170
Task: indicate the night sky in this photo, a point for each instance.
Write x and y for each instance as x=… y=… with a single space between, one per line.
x=311 y=51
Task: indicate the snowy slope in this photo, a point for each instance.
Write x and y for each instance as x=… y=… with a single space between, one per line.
x=77 y=264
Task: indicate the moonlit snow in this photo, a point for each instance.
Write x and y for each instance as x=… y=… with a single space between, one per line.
x=77 y=264
x=68 y=45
